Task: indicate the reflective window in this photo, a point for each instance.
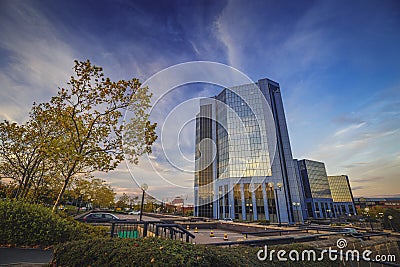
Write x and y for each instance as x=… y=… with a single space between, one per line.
x=340 y=189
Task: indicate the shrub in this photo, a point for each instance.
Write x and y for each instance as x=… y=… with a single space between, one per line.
x=32 y=224
x=160 y=252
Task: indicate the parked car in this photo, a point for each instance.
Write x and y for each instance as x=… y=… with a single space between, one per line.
x=134 y=212
x=99 y=217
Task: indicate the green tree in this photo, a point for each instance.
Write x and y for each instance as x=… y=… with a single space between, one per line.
x=123 y=201
x=78 y=132
x=86 y=117
x=97 y=191
x=22 y=157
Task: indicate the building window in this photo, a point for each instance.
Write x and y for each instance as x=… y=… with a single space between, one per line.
x=248 y=202
x=260 y=203
x=237 y=198
x=271 y=205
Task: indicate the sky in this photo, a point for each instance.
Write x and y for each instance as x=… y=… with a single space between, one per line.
x=337 y=62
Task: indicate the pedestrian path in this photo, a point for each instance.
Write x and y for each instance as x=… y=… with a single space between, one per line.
x=24 y=256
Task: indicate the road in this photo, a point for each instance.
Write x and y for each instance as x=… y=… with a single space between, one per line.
x=136 y=217
x=24 y=257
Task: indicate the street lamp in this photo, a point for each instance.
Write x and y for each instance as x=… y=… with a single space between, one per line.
x=80 y=200
x=369 y=218
x=296 y=206
x=329 y=213
x=88 y=206
x=390 y=217
x=380 y=216
x=279 y=187
x=144 y=188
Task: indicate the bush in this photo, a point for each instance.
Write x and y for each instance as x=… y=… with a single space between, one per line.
x=32 y=224
x=160 y=252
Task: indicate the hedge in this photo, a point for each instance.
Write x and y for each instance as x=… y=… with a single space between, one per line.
x=32 y=224
x=160 y=252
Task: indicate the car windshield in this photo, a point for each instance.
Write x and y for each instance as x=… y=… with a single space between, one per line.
x=109 y=216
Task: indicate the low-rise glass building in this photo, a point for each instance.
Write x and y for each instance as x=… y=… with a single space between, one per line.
x=343 y=202
x=317 y=193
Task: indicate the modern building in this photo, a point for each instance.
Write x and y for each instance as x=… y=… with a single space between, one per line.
x=317 y=193
x=178 y=201
x=244 y=167
x=324 y=196
x=244 y=164
x=343 y=201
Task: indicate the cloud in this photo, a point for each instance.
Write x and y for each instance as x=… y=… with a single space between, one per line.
x=338 y=105
x=366 y=149
x=350 y=128
x=368 y=179
x=357 y=188
x=347 y=119
x=37 y=63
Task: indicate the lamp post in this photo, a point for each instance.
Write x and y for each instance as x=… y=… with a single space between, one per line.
x=380 y=216
x=369 y=218
x=144 y=188
x=296 y=206
x=390 y=217
x=80 y=200
x=329 y=212
x=88 y=205
x=279 y=187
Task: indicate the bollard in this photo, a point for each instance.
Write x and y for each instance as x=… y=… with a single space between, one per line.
x=212 y=233
x=226 y=237
x=196 y=230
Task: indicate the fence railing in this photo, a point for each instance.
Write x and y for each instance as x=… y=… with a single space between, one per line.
x=138 y=229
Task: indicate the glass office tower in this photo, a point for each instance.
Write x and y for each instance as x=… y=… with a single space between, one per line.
x=316 y=188
x=244 y=165
x=342 y=196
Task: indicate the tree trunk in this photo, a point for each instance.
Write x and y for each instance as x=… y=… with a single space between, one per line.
x=18 y=190
x=60 y=194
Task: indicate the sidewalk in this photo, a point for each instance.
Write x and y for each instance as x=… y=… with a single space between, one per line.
x=24 y=257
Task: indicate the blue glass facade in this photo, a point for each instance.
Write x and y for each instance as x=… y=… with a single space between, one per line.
x=244 y=165
x=253 y=173
x=318 y=198
x=324 y=196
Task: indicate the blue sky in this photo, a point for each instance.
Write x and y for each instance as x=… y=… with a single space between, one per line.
x=338 y=64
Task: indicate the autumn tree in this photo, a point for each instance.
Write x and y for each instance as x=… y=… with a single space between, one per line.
x=123 y=201
x=78 y=131
x=22 y=157
x=97 y=191
x=86 y=117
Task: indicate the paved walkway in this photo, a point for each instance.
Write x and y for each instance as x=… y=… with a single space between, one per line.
x=24 y=256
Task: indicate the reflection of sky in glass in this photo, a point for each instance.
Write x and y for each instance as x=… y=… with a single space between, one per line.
x=242 y=150
x=317 y=178
x=340 y=189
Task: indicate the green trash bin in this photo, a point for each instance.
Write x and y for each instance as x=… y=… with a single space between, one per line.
x=128 y=234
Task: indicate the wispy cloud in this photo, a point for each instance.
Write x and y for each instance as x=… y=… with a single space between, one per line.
x=349 y=128
x=341 y=104
x=38 y=61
